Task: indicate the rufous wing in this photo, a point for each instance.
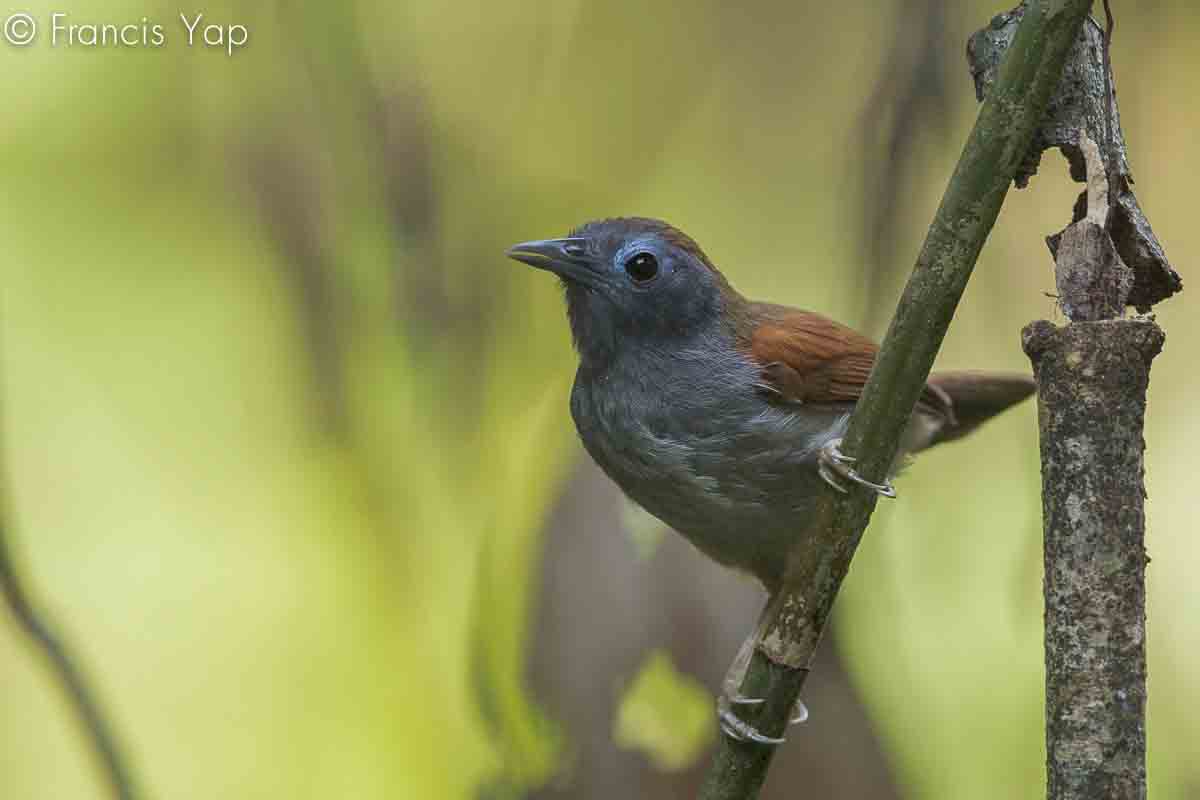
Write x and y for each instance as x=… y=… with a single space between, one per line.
x=809 y=359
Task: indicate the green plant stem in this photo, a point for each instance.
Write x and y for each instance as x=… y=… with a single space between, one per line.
x=796 y=616
x=65 y=668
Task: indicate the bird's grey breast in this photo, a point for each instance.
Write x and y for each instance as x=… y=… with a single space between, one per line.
x=687 y=436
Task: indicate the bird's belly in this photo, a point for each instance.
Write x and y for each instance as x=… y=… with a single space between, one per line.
x=738 y=484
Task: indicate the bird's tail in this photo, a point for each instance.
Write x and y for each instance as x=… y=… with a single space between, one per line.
x=976 y=397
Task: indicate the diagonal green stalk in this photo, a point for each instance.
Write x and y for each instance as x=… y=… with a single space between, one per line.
x=795 y=617
x=65 y=668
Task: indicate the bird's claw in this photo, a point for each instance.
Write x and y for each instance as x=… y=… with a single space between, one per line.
x=739 y=730
x=734 y=726
x=833 y=465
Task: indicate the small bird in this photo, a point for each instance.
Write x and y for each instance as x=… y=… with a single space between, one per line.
x=720 y=415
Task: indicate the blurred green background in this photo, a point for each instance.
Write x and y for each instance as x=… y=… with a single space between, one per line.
x=285 y=438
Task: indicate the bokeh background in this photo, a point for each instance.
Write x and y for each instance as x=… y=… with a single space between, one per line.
x=286 y=450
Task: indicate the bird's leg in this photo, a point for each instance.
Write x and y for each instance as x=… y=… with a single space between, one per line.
x=731 y=724
x=833 y=465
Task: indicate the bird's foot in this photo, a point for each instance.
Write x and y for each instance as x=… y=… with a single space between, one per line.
x=834 y=466
x=740 y=730
x=734 y=726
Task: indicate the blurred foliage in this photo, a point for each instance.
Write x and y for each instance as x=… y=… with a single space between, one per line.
x=666 y=714
x=645 y=530
x=281 y=425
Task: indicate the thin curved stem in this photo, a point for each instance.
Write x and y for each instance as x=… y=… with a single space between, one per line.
x=65 y=668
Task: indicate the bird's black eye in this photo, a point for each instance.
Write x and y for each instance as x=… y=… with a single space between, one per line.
x=643 y=267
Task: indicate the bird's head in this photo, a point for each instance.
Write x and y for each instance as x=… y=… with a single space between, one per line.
x=631 y=282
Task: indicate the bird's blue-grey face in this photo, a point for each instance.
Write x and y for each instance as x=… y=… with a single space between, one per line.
x=629 y=283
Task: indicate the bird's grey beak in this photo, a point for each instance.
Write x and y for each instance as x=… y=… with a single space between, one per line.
x=570 y=258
